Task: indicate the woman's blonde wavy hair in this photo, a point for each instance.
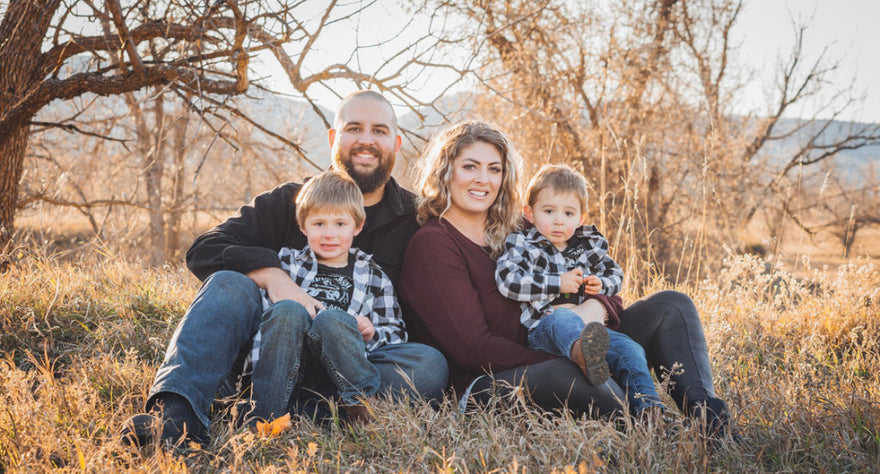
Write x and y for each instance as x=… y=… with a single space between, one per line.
x=436 y=173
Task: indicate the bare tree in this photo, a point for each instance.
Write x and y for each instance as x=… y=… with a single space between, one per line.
x=412 y=56
x=159 y=136
x=641 y=95
x=30 y=78
x=853 y=210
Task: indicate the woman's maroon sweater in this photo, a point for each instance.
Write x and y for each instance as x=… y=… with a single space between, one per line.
x=448 y=284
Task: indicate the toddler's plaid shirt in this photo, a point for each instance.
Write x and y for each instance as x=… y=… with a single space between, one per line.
x=531 y=267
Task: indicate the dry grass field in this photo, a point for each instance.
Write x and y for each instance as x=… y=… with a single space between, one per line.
x=128 y=130
x=795 y=357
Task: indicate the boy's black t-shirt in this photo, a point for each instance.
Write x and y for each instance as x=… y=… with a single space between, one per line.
x=334 y=286
x=571 y=254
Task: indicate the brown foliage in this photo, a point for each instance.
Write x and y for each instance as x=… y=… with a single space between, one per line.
x=640 y=95
x=194 y=44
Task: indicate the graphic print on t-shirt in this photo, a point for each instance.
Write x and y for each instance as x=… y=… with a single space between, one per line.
x=333 y=287
x=571 y=255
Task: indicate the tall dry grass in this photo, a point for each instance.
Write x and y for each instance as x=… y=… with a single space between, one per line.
x=795 y=359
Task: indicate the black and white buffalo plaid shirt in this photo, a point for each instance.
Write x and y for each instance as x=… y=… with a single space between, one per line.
x=531 y=267
x=372 y=295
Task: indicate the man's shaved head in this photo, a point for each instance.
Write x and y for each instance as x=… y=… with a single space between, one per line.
x=339 y=120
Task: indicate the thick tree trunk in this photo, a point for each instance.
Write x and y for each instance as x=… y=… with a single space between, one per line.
x=12 y=151
x=22 y=30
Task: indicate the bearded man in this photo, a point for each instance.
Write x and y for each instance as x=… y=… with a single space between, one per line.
x=209 y=349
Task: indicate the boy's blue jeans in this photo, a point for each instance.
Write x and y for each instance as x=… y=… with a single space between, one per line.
x=559 y=330
x=331 y=339
x=217 y=329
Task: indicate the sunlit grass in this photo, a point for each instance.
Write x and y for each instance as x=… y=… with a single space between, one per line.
x=796 y=359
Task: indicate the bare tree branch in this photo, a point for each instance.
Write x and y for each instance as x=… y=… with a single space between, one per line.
x=73 y=128
x=128 y=45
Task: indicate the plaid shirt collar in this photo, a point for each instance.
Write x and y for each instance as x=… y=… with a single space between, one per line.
x=308 y=258
x=306 y=263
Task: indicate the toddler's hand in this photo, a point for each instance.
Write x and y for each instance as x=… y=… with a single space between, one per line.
x=592 y=285
x=365 y=326
x=572 y=281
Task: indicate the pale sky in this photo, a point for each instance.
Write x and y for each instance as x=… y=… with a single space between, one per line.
x=849 y=28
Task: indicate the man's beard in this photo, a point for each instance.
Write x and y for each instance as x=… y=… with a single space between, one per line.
x=369 y=181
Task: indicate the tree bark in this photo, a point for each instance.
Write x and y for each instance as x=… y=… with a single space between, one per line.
x=154 y=168
x=22 y=30
x=178 y=175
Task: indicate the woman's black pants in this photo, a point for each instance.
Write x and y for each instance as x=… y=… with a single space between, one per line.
x=666 y=324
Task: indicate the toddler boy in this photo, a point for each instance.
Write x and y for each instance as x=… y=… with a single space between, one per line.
x=552 y=268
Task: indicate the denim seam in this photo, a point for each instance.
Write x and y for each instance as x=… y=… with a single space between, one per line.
x=337 y=378
x=340 y=382
x=641 y=400
x=293 y=378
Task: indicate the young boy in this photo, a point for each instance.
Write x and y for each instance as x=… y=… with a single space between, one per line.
x=330 y=213
x=552 y=268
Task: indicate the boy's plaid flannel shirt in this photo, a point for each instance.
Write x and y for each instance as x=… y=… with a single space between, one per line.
x=531 y=267
x=372 y=296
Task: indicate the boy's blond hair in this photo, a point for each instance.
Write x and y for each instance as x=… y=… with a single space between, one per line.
x=561 y=179
x=331 y=191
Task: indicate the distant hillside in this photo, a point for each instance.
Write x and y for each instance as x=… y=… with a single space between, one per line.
x=853 y=164
x=449 y=109
x=297 y=121
x=293 y=119
x=454 y=107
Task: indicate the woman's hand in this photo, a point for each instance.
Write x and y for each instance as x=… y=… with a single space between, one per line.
x=572 y=281
x=365 y=326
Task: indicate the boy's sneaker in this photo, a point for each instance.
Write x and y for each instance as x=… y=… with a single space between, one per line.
x=358 y=414
x=593 y=348
x=172 y=418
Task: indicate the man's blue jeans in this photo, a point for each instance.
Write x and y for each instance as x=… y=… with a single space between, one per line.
x=558 y=331
x=217 y=331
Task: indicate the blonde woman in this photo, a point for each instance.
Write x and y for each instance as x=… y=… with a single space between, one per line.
x=469 y=204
